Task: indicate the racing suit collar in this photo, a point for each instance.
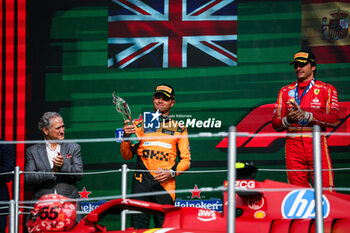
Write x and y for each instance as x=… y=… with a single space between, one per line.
x=303 y=84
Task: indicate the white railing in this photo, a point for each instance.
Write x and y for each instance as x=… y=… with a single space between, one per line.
x=14 y=204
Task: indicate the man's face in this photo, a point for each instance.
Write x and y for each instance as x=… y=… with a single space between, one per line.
x=162 y=103
x=56 y=130
x=304 y=71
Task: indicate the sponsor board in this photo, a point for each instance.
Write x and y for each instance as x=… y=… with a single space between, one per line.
x=210 y=204
x=206 y=215
x=245 y=184
x=119 y=135
x=300 y=204
x=87 y=207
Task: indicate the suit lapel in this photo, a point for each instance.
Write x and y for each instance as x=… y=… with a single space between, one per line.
x=43 y=156
x=64 y=152
x=63 y=149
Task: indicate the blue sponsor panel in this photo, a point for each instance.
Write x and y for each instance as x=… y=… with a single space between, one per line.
x=119 y=134
x=211 y=204
x=300 y=204
x=87 y=207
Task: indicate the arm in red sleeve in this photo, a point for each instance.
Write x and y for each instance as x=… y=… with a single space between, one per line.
x=329 y=115
x=279 y=119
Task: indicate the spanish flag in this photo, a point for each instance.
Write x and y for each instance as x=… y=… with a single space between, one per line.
x=325 y=29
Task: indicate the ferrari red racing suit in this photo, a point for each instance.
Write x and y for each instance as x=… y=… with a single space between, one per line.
x=320 y=103
x=158 y=152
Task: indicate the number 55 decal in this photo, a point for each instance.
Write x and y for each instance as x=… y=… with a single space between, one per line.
x=50 y=213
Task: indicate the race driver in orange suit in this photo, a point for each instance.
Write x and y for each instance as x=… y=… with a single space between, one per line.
x=299 y=106
x=157 y=155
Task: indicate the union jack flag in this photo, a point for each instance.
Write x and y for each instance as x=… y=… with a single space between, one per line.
x=176 y=33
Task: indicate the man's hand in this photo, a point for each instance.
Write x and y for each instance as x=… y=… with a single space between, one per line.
x=162 y=175
x=296 y=106
x=57 y=162
x=128 y=128
x=297 y=115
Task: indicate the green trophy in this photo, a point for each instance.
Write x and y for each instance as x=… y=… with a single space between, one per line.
x=123 y=108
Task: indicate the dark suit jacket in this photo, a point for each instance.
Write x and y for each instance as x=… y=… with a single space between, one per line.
x=7 y=164
x=37 y=160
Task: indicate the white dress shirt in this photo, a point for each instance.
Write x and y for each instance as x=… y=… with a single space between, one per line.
x=52 y=154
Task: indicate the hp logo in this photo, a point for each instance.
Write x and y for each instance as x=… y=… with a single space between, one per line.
x=301 y=204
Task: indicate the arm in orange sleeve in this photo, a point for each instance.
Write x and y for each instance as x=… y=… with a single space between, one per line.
x=328 y=116
x=126 y=149
x=185 y=155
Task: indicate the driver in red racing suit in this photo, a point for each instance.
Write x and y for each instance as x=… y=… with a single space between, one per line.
x=299 y=106
x=157 y=155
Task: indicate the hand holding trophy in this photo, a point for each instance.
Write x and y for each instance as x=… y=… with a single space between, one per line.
x=123 y=108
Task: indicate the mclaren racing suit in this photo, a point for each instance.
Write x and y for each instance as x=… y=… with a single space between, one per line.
x=156 y=154
x=319 y=100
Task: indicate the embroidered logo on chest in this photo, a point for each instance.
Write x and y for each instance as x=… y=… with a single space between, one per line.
x=291 y=93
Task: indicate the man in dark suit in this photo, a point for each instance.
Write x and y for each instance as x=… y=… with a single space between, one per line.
x=53 y=158
x=7 y=164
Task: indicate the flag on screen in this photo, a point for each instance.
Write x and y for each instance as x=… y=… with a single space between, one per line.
x=325 y=28
x=176 y=33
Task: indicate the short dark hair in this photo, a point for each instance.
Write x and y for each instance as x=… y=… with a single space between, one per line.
x=45 y=120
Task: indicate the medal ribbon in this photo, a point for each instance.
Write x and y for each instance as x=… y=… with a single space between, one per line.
x=304 y=92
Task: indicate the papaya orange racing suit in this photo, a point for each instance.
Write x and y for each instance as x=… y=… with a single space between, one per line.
x=319 y=100
x=158 y=153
